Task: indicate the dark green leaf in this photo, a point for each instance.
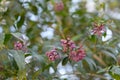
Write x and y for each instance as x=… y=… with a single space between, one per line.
x=21 y=21
x=65 y=60
x=46 y=67
x=26 y=55
x=93 y=38
x=104 y=34
x=7 y=38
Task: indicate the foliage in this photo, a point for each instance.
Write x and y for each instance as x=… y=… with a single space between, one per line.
x=29 y=21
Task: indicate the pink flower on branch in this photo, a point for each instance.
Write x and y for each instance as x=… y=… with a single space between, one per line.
x=20 y=46
x=52 y=55
x=98 y=29
x=77 y=55
x=68 y=45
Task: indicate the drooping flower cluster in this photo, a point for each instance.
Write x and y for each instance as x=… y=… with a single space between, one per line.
x=74 y=53
x=77 y=55
x=20 y=46
x=98 y=29
x=59 y=6
x=53 y=55
x=68 y=45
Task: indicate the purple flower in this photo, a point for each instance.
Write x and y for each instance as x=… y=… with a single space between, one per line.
x=67 y=44
x=77 y=55
x=52 y=55
x=18 y=45
x=98 y=29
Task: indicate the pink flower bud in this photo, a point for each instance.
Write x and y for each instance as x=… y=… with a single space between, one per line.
x=52 y=55
x=18 y=45
x=68 y=45
x=59 y=6
x=98 y=30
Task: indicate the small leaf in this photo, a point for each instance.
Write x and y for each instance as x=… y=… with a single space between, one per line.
x=104 y=34
x=46 y=67
x=115 y=70
x=20 y=22
x=102 y=70
x=93 y=38
x=77 y=37
x=19 y=58
x=90 y=62
x=20 y=36
x=26 y=55
x=7 y=38
x=65 y=60
x=110 y=54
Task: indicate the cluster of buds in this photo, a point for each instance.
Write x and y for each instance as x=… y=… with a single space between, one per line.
x=68 y=45
x=53 y=55
x=98 y=29
x=77 y=55
x=19 y=46
x=59 y=6
x=74 y=53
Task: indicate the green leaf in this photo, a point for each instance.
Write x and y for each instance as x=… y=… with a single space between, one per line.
x=90 y=62
x=102 y=70
x=20 y=60
x=115 y=70
x=26 y=55
x=65 y=60
x=21 y=21
x=34 y=8
x=20 y=36
x=104 y=34
x=110 y=54
x=77 y=37
x=2 y=37
x=36 y=74
x=7 y=38
x=46 y=67
x=93 y=38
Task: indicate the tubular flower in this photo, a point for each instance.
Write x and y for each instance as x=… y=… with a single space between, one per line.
x=53 y=55
x=67 y=45
x=18 y=45
x=98 y=30
x=77 y=55
x=59 y=6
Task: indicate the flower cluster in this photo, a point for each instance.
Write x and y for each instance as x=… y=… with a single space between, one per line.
x=68 y=45
x=59 y=6
x=98 y=29
x=77 y=55
x=53 y=55
x=20 y=46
